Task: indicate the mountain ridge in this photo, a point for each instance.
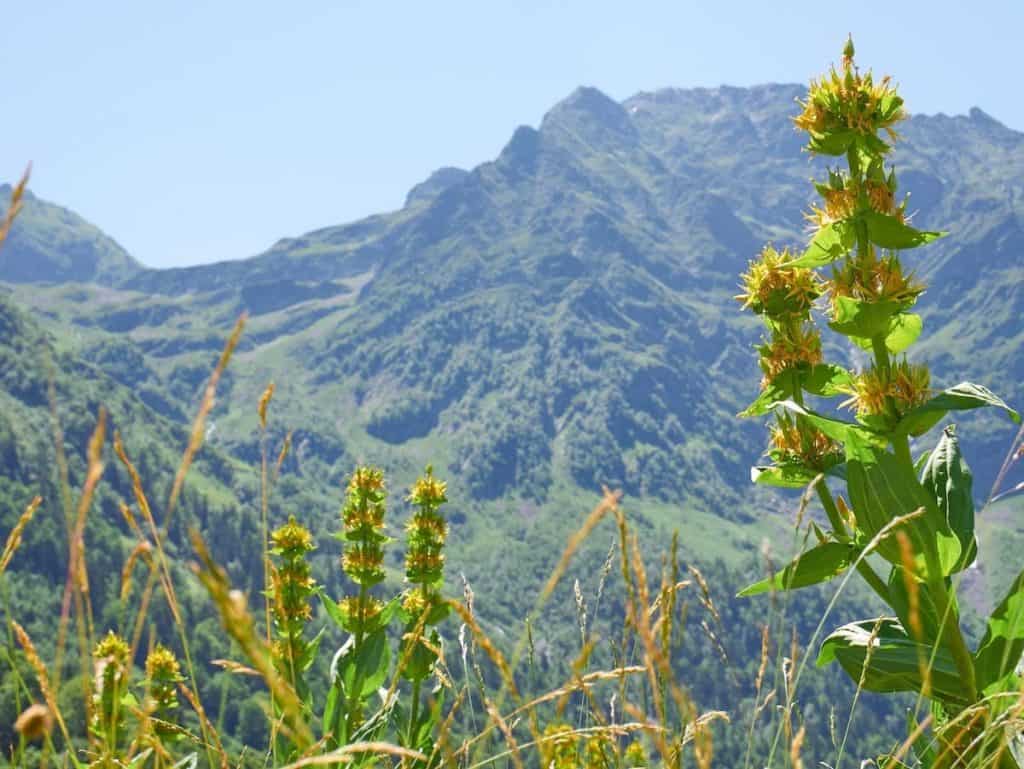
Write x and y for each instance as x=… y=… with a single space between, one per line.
x=548 y=290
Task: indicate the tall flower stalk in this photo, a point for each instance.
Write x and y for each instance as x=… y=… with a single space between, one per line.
x=917 y=516
x=423 y=606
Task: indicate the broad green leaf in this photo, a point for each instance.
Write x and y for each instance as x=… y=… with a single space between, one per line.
x=904 y=329
x=337 y=614
x=825 y=379
x=962 y=397
x=831 y=143
x=881 y=490
x=790 y=476
x=819 y=564
x=362 y=671
x=334 y=611
x=334 y=721
x=831 y=242
x=1000 y=649
x=927 y=616
x=881 y=654
x=889 y=232
x=419 y=662
x=863 y=319
x=948 y=478
x=846 y=433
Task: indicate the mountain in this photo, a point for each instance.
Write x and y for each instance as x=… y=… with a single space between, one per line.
x=560 y=317
x=54 y=245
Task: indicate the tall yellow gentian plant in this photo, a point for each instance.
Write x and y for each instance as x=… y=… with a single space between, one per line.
x=916 y=517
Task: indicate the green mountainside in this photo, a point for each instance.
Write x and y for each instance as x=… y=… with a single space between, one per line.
x=553 y=320
x=54 y=245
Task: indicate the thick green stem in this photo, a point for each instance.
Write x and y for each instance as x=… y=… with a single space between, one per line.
x=830 y=509
x=863 y=567
x=954 y=637
x=414 y=715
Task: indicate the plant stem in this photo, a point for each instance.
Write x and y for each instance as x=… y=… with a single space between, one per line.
x=414 y=714
x=863 y=567
x=954 y=637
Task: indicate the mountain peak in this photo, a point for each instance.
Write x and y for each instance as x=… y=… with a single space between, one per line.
x=435 y=184
x=589 y=109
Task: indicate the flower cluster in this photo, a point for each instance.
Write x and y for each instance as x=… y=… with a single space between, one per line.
x=291 y=589
x=843 y=196
x=163 y=674
x=362 y=519
x=846 y=104
x=111 y=655
x=426 y=533
x=559 y=749
x=873 y=280
x=876 y=391
x=774 y=289
x=796 y=442
x=792 y=346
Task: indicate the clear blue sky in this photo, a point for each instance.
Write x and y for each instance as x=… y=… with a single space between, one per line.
x=195 y=132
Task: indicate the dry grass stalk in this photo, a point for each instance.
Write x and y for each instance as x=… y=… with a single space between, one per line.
x=199 y=425
x=488 y=646
x=147 y=513
x=286 y=447
x=141 y=550
x=348 y=753
x=17 y=195
x=261 y=409
x=796 y=746
x=42 y=676
x=208 y=728
x=14 y=538
x=506 y=730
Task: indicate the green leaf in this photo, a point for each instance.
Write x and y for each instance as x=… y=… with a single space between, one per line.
x=334 y=720
x=846 y=433
x=863 y=319
x=881 y=490
x=1000 y=649
x=948 y=478
x=881 y=654
x=904 y=329
x=831 y=143
x=825 y=379
x=420 y=660
x=962 y=397
x=310 y=652
x=889 y=232
x=788 y=476
x=819 y=564
x=831 y=242
x=191 y=761
x=362 y=671
x=900 y=600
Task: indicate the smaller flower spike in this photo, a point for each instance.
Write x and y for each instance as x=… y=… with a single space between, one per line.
x=163 y=674
x=292 y=586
